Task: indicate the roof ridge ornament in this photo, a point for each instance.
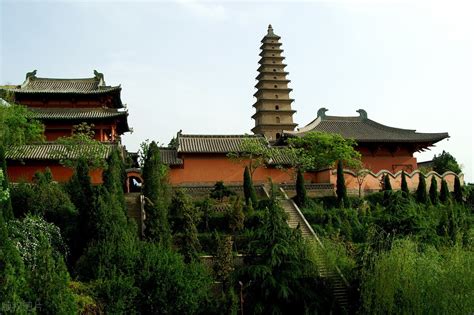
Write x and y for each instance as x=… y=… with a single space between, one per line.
x=322 y=112
x=31 y=75
x=270 y=30
x=99 y=76
x=362 y=114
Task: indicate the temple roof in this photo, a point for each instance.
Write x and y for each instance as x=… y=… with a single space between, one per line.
x=53 y=151
x=94 y=85
x=169 y=156
x=362 y=129
x=75 y=113
x=214 y=143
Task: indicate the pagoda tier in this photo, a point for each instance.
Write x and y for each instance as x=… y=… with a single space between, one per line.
x=273 y=106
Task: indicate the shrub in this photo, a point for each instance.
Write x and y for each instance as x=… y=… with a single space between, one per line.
x=300 y=198
x=421 y=195
x=434 y=197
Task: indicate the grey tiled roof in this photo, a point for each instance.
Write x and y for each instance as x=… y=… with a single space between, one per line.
x=53 y=151
x=170 y=157
x=214 y=143
x=363 y=129
x=52 y=85
x=75 y=113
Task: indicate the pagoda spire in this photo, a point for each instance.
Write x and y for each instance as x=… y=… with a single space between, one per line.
x=273 y=106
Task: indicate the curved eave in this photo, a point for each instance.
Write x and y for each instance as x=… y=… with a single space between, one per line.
x=290 y=111
x=275 y=100
x=279 y=90
x=99 y=91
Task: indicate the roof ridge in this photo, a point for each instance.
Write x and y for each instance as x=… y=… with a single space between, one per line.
x=64 y=79
x=220 y=136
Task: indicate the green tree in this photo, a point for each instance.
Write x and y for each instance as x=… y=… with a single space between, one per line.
x=404 y=185
x=236 y=216
x=6 y=206
x=341 y=190
x=457 y=190
x=18 y=127
x=249 y=190
x=445 y=162
x=219 y=191
x=421 y=195
x=114 y=177
x=157 y=193
x=300 y=198
x=434 y=196
x=387 y=186
x=444 y=195
x=319 y=150
x=253 y=152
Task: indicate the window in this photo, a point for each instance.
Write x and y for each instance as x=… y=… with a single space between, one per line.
x=277 y=120
x=273 y=55
x=276 y=95
x=277 y=107
x=274 y=70
x=273 y=47
x=275 y=86
x=273 y=61
x=275 y=78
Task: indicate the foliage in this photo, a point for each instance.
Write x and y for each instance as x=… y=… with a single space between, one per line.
x=220 y=191
x=404 y=184
x=17 y=126
x=341 y=191
x=434 y=196
x=143 y=152
x=115 y=176
x=235 y=215
x=81 y=146
x=253 y=153
x=278 y=273
x=445 y=162
x=444 y=195
x=300 y=198
x=410 y=279
x=249 y=190
x=30 y=236
x=457 y=190
x=421 y=195
x=157 y=193
x=5 y=202
x=321 y=150
x=224 y=259
x=387 y=186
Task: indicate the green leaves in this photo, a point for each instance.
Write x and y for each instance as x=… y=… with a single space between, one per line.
x=17 y=126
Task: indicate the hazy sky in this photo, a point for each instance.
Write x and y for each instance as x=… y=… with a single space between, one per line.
x=191 y=65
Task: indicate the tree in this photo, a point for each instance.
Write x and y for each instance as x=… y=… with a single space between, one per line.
x=445 y=162
x=386 y=183
x=220 y=191
x=114 y=177
x=253 y=152
x=157 y=193
x=6 y=206
x=421 y=195
x=18 y=127
x=434 y=196
x=300 y=189
x=249 y=190
x=361 y=175
x=444 y=195
x=457 y=190
x=341 y=191
x=235 y=216
x=224 y=259
x=319 y=150
x=404 y=185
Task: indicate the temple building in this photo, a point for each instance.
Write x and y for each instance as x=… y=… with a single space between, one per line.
x=61 y=104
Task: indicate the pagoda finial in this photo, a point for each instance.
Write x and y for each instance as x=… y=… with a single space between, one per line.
x=270 y=30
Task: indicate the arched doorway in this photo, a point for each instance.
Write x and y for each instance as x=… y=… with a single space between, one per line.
x=134 y=181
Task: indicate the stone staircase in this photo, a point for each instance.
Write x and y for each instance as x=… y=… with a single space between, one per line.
x=296 y=219
x=135 y=210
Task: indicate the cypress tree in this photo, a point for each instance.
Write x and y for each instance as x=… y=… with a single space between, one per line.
x=249 y=189
x=457 y=190
x=444 y=194
x=341 y=190
x=114 y=177
x=157 y=192
x=300 y=189
x=434 y=196
x=7 y=205
x=404 y=185
x=386 y=183
x=421 y=195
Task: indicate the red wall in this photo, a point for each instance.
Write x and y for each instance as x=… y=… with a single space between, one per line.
x=383 y=159
x=18 y=172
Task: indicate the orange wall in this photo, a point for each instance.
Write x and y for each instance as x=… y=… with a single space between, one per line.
x=208 y=169
x=382 y=159
x=18 y=172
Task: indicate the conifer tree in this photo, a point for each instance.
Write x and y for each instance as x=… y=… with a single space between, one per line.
x=341 y=190
x=114 y=177
x=404 y=185
x=300 y=189
x=157 y=193
x=434 y=196
x=387 y=186
x=421 y=195
x=457 y=190
x=6 y=206
x=444 y=194
x=249 y=189
x=190 y=243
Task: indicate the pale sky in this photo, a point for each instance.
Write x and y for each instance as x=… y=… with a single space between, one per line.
x=191 y=65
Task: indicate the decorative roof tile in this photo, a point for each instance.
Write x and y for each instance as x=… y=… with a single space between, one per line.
x=75 y=113
x=362 y=129
x=214 y=143
x=54 y=151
